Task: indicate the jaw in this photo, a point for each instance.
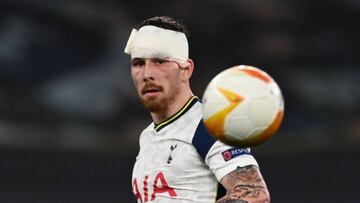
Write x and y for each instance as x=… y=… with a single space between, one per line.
x=153 y=101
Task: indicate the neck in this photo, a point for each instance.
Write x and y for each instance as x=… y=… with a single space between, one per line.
x=172 y=108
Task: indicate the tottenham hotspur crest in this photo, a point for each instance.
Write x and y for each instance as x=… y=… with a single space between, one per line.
x=171 y=151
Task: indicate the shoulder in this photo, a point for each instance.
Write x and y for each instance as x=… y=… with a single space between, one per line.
x=202 y=140
x=147 y=130
x=204 y=143
x=219 y=157
x=185 y=127
x=146 y=133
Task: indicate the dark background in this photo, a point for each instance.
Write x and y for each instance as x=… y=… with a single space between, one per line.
x=70 y=118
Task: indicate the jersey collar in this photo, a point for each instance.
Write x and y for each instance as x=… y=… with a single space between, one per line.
x=177 y=115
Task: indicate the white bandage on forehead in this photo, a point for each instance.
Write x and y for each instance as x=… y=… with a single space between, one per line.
x=154 y=42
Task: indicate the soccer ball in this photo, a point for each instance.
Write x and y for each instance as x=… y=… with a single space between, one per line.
x=243 y=106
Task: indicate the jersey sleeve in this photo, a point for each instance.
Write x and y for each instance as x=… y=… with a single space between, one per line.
x=219 y=157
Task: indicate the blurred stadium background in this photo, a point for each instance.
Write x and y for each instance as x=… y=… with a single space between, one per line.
x=70 y=119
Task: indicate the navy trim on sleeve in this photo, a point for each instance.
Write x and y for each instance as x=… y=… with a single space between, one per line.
x=202 y=140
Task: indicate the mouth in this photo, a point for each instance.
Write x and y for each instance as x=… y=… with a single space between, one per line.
x=150 y=90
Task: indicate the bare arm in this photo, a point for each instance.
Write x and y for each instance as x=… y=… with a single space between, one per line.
x=245 y=185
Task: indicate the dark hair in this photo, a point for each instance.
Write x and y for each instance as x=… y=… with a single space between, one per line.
x=165 y=22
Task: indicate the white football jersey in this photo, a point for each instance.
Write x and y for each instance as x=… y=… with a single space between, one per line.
x=179 y=162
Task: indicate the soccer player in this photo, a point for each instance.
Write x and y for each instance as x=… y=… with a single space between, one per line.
x=178 y=161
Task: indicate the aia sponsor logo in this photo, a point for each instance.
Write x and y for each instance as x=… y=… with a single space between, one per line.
x=160 y=185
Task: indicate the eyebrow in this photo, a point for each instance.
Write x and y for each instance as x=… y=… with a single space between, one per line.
x=135 y=59
x=152 y=58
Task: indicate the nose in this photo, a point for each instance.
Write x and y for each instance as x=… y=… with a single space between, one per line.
x=149 y=74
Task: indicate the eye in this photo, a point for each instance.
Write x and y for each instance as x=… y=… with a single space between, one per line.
x=137 y=62
x=159 y=61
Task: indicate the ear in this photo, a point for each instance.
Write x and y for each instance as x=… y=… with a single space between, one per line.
x=188 y=70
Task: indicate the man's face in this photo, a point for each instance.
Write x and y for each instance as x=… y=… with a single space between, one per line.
x=157 y=81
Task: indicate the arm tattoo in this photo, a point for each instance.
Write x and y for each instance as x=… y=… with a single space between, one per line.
x=245 y=185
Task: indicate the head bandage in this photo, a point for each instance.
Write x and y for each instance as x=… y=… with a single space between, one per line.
x=154 y=42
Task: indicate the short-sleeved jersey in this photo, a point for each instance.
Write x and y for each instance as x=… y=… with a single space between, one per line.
x=179 y=162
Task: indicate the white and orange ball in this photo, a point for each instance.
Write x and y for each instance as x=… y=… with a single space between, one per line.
x=243 y=106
